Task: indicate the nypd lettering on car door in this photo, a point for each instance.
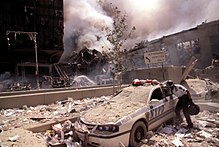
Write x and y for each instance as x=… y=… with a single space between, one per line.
x=156 y=111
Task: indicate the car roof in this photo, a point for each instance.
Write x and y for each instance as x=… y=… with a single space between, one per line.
x=128 y=101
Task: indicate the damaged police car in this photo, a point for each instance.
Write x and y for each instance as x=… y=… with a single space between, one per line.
x=126 y=118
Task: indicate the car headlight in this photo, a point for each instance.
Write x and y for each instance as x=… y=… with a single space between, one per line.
x=109 y=128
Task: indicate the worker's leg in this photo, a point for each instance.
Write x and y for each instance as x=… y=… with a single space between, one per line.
x=187 y=116
x=177 y=111
x=178 y=116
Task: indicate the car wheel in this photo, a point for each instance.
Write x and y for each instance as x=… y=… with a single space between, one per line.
x=138 y=132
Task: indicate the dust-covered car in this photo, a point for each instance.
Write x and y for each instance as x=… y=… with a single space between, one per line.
x=127 y=117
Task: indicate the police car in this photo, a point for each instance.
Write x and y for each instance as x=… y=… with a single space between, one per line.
x=126 y=118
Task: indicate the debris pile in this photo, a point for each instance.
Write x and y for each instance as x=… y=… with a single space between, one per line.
x=204 y=133
x=15 y=122
x=202 y=88
x=19 y=137
x=26 y=117
x=62 y=134
x=19 y=86
x=210 y=72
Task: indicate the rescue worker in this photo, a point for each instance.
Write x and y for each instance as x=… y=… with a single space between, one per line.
x=184 y=100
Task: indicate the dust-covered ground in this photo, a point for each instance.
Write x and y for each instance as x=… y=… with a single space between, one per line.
x=205 y=133
x=19 y=137
x=14 y=123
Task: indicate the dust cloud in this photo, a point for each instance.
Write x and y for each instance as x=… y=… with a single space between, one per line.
x=87 y=21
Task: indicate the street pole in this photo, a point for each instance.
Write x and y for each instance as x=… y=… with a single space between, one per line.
x=37 y=65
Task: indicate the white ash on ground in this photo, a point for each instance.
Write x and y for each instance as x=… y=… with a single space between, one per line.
x=26 y=117
x=205 y=133
x=14 y=122
x=19 y=137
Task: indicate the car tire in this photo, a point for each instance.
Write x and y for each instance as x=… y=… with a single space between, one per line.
x=138 y=133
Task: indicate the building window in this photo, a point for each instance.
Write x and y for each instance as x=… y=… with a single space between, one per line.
x=190 y=45
x=58 y=13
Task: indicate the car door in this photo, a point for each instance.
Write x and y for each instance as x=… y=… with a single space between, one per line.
x=157 y=108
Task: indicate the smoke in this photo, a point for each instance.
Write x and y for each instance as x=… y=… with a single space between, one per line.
x=85 y=26
x=86 y=21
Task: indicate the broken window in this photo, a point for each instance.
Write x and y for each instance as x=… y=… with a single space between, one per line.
x=190 y=45
x=187 y=45
x=19 y=40
x=196 y=47
x=58 y=13
x=179 y=46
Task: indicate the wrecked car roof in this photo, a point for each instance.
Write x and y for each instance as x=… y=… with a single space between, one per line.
x=128 y=101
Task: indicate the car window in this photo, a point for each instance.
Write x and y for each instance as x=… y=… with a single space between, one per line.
x=157 y=94
x=135 y=94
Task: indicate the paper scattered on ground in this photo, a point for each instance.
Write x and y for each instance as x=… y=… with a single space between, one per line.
x=21 y=138
x=13 y=123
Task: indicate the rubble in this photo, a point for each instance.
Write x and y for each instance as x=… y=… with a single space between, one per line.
x=200 y=135
x=177 y=142
x=19 y=137
x=28 y=116
x=14 y=138
x=19 y=86
x=164 y=136
x=15 y=122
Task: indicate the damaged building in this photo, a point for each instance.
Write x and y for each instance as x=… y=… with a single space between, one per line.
x=31 y=41
x=201 y=42
x=21 y=19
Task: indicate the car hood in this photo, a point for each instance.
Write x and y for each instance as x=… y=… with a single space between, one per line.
x=127 y=102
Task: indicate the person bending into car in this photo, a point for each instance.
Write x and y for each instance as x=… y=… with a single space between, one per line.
x=184 y=100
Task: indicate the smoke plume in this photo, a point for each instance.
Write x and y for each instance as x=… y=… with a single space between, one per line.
x=86 y=21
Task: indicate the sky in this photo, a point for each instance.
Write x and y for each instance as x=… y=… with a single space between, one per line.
x=86 y=21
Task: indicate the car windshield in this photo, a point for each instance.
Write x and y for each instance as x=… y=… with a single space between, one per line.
x=134 y=94
x=128 y=101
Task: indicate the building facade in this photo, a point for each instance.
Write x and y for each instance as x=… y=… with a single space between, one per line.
x=201 y=41
x=19 y=19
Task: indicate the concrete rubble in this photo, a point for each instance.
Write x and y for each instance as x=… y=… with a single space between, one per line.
x=200 y=135
x=14 y=123
x=27 y=116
